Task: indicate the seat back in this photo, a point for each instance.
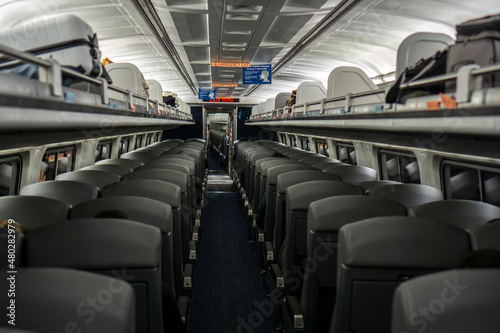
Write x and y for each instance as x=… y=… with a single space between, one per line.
x=327 y=165
x=121 y=161
x=461 y=213
x=144 y=210
x=141 y=156
x=486 y=236
x=298 y=199
x=72 y=192
x=353 y=173
x=119 y=170
x=136 y=252
x=164 y=192
x=324 y=219
x=253 y=158
x=455 y=301
x=94 y=177
x=376 y=254
x=409 y=195
x=55 y=299
x=256 y=177
x=33 y=212
x=318 y=159
x=283 y=182
x=368 y=185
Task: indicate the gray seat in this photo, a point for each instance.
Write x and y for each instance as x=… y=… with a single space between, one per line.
x=121 y=161
x=302 y=155
x=409 y=195
x=164 y=192
x=33 y=212
x=119 y=170
x=85 y=244
x=283 y=182
x=486 y=236
x=324 y=219
x=455 y=301
x=55 y=299
x=139 y=156
x=298 y=199
x=144 y=210
x=376 y=254
x=256 y=177
x=72 y=192
x=353 y=173
x=253 y=157
x=193 y=154
x=327 y=165
x=94 y=177
x=461 y=213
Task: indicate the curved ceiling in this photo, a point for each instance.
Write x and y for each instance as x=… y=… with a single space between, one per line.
x=175 y=41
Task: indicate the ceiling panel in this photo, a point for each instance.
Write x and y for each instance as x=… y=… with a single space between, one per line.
x=191 y=27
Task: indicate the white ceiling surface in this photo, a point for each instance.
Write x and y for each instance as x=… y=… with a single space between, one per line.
x=259 y=32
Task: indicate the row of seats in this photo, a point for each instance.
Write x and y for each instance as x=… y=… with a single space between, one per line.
x=155 y=251
x=313 y=207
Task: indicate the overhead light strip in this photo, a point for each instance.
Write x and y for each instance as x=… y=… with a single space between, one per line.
x=332 y=17
x=148 y=12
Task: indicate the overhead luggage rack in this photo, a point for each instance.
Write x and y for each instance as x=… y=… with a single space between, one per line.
x=22 y=98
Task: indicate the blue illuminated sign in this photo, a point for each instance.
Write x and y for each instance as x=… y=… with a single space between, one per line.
x=257 y=74
x=206 y=93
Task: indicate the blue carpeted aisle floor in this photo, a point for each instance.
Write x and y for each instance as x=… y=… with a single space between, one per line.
x=228 y=287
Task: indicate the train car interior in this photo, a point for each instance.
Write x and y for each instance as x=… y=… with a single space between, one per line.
x=250 y=166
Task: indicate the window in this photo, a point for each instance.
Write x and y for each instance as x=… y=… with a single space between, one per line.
x=322 y=147
x=471 y=182
x=103 y=150
x=138 y=141
x=399 y=166
x=293 y=140
x=124 y=146
x=10 y=175
x=157 y=137
x=346 y=153
x=55 y=162
x=283 y=138
x=305 y=143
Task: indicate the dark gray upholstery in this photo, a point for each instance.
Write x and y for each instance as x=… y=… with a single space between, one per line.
x=301 y=155
x=256 y=178
x=298 y=199
x=107 y=246
x=177 y=160
x=33 y=212
x=318 y=159
x=94 y=177
x=175 y=177
x=368 y=185
x=284 y=181
x=121 y=161
x=164 y=192
x=55 y=299
x=119 y=170
x=325 y=218
x=376 y=254
x=486 y=236
x=461 y=213
x=253 y=157
x=353 y=173
x=68 y=191
x=327 y=165
x=409 y=195
x=453 y=301
x=139 y=156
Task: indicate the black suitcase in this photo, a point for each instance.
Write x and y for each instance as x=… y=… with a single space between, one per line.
x=478 y=42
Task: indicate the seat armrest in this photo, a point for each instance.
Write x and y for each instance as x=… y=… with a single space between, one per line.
x=260 y=235
x=269 y=251
x=183 y=305
x=197 y=220
x=277 y=275
x=196 y=233
x=294 y=312
x=187 y=283
x=192 y=250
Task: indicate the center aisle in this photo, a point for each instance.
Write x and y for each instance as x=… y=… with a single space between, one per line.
x=228 y=288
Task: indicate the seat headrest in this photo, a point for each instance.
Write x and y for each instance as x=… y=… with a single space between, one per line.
x=281 y=163
x=288 y=179
x=273 y=174
x=447 y=302
x=68 y=191
x=409 y=195
x=300 y=196
x=33 y=212
x=55 y=299
x=93 y=244
x=94 y=177
x=353 y=173
x=330 y=214
x=149 y=188
x=461 y=213
x=152 y=212
x=486 y=236
x=402 y=242
x=171 y=176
